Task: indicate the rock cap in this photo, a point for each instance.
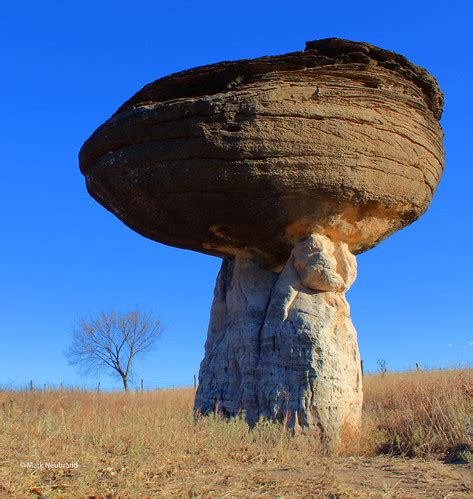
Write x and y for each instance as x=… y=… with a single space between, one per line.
x=249 y=157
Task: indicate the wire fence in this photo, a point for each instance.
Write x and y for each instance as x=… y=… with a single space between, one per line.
x=144 y=385
x=140 y=386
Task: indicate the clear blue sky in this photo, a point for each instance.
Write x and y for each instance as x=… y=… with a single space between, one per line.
x=67 y=66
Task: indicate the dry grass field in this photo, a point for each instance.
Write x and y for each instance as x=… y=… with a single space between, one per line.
x=416 y=425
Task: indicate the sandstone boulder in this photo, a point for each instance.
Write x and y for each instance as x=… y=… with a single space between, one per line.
x=247 y=158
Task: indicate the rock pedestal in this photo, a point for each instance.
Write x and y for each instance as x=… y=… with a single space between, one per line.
x=282 y=346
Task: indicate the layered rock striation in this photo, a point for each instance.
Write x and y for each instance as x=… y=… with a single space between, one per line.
x=247 y=158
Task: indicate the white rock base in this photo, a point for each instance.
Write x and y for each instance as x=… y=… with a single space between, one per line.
x=282 y=346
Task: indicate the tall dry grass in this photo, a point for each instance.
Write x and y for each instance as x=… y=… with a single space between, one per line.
x=418 y=414
x=149 y=443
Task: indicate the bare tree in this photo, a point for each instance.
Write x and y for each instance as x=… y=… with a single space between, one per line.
x=383 y=369
x=113 y=341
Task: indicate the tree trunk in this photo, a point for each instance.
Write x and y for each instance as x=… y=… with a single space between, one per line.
x=125 y=383
x=282 y=346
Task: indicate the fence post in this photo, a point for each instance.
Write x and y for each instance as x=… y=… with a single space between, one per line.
x=361 y=364
x=44 y=387
x=31 y=386
x=195 y=382
x=142 y=385
x=98 y=387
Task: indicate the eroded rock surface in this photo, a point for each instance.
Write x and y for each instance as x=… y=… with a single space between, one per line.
x=282 y=346
x=247 y=158
x=285 y=166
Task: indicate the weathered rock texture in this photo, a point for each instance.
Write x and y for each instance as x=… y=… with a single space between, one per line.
x=286 y=167
x=282 y=346
x=247 y=158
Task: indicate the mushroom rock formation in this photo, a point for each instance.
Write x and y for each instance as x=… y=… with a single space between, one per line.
x=286 y=166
